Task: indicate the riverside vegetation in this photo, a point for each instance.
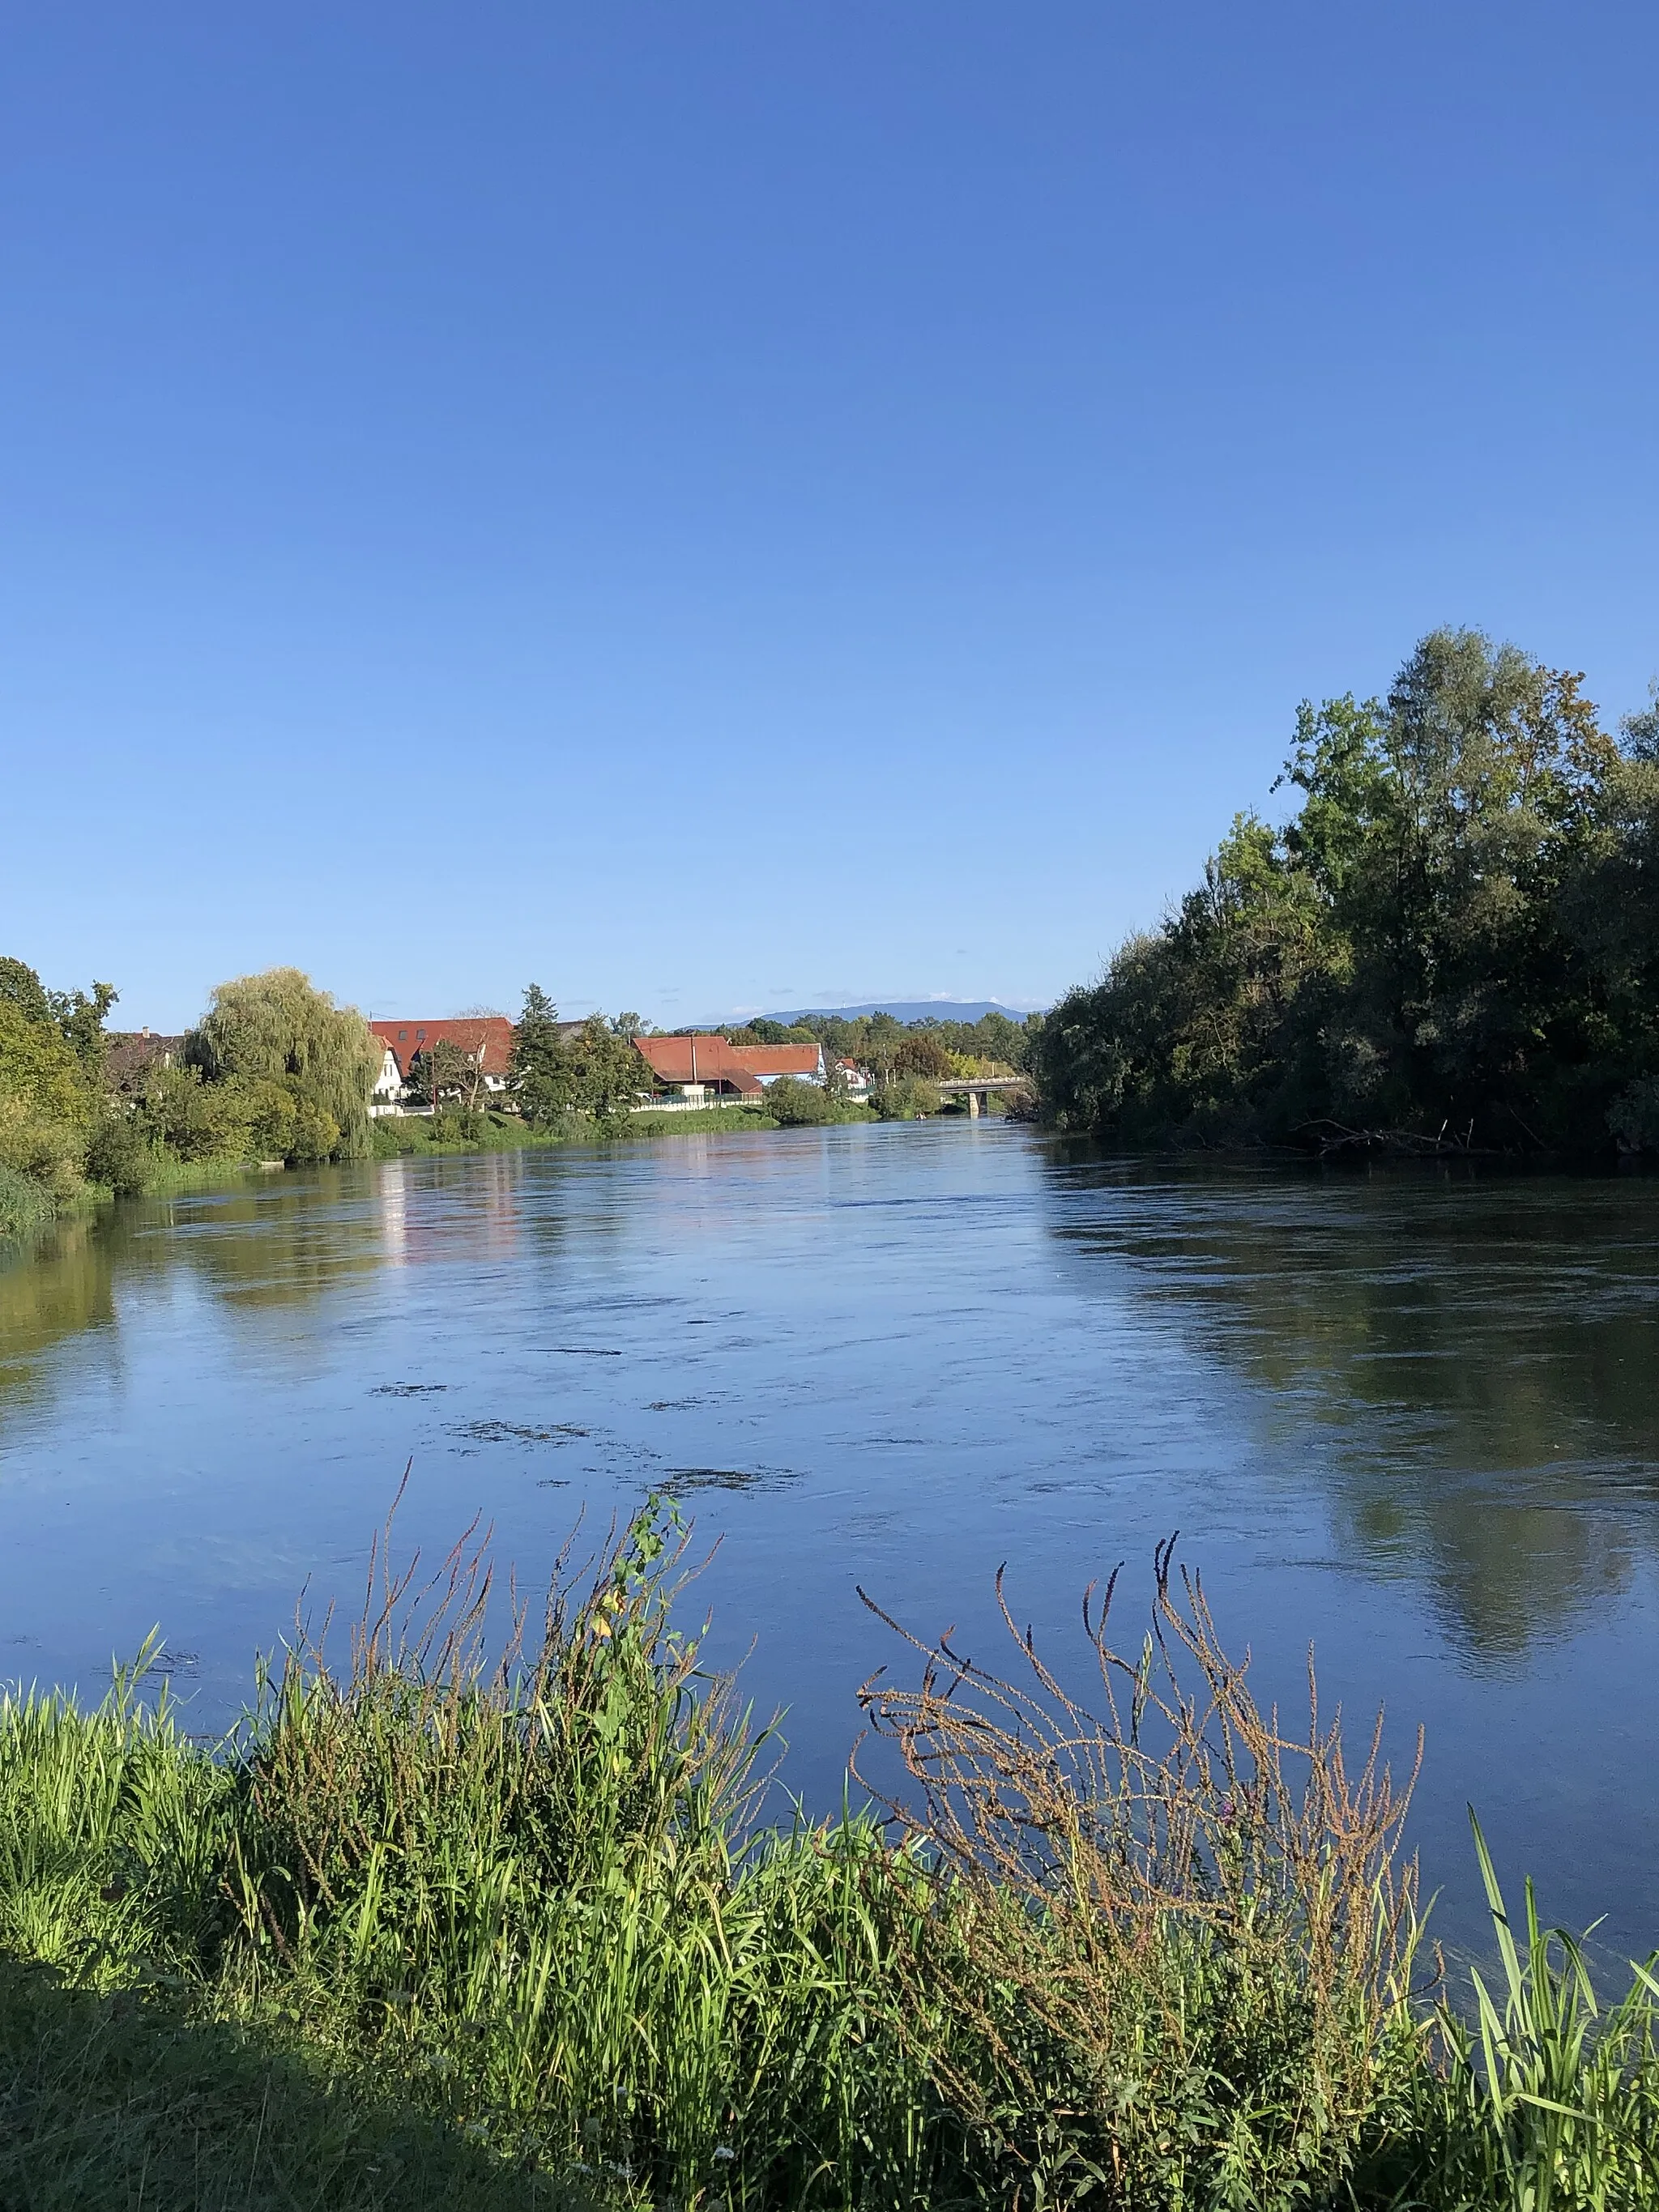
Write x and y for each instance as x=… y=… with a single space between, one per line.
x=434 y=1929
x=1454 y=943
x=276 y=1072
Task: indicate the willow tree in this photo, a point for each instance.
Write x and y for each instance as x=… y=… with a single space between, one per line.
x=278 y=1028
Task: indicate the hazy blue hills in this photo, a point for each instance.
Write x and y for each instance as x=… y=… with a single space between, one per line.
x=910 y=1009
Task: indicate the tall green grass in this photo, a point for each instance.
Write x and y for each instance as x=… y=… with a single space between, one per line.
x=26 y=1206
x=490 y=1897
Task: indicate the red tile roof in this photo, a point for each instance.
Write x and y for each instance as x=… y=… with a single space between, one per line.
x=777 y=1059
x=489 y=1034
x=696 y=1060
x=713 y=1060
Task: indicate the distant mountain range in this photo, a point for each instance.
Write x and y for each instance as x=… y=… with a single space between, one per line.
x=909 y=1009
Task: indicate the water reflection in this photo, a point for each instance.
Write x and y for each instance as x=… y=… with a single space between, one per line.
x=1469 y=1364
x=63 y=1291
x=1412 y=1417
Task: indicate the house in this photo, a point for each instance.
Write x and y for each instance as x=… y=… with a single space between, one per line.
x=131 y=1055
x=854 y=1084
x=702 y=1071
x=485 y=1039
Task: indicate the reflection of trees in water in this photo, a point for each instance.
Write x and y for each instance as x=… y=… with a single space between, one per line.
x=284 y=1243
x=65 y=1287
x=1478 y=1358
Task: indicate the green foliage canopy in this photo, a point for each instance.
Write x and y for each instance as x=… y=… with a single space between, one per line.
x=890 y=1048
x=796 y=1104
x=276 y=1033
x=591 y=1070
x=51 y=1048
x=1454 y=940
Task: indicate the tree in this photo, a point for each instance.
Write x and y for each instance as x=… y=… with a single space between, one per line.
x=197 y=1120
x=80 y=1016
x=540 y=1078
x=1438 y=832
x=77 y=1015
x=907 y=1098
x=452 y=1068
x=51 y=1045
x=609 y=1074
x=919 y=1053
x=595 y=1070
x=46 y=1105
x=1454 y=934
x=277 y=1028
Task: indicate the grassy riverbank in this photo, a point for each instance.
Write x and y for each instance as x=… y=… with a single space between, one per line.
x=407 y=1135
x=712 y=1121
x=429 y=1931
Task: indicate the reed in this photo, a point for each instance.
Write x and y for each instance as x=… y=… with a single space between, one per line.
x=1542 y=2102
x=491 y=1899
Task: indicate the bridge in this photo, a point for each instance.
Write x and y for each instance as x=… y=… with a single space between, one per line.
x=975 y=1088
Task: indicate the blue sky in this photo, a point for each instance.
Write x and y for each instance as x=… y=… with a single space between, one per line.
x=721 y=507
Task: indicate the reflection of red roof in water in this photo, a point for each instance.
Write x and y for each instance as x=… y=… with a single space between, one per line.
x=489 y=1034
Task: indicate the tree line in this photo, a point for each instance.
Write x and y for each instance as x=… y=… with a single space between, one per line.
x=277 y=1071
x=889 y=1049
x=1453 y=942
x=274 y=1070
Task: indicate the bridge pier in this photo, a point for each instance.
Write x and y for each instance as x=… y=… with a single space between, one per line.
x=973 y=1106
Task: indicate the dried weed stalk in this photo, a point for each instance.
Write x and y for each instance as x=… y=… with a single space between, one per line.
x=1169 y=1939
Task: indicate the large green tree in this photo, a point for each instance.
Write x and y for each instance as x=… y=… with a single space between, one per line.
x=591 y=1070
x=1451 y=940
x=277 y=1029
x=51 y=1050
x=540 y=1079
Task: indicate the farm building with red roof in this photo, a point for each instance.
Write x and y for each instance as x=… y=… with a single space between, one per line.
x=699 y=1067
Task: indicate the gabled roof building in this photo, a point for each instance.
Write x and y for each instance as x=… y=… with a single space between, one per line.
x=701 y=1066
x=485 y=1039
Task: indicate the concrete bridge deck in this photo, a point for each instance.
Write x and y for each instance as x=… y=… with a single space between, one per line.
x=975 y=1088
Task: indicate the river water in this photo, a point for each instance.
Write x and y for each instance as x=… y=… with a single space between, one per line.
x=1412 y=1418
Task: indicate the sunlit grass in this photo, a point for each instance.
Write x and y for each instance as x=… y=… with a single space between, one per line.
x=445 y=1924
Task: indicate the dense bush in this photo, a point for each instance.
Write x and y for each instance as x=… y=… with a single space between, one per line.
x=907 y=1098
x=794 y=1104
x=51 y=1048
x=26 y=1206
x=117 y=1154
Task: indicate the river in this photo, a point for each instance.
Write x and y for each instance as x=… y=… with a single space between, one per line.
x=1410 y=1417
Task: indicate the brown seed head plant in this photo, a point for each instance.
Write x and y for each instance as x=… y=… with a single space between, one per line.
x=1168 y=1958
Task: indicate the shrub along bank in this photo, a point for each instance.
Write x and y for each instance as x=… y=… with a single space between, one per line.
x=430 y=1929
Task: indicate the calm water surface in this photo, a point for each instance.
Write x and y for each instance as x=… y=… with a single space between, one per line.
x=1413 y=1419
